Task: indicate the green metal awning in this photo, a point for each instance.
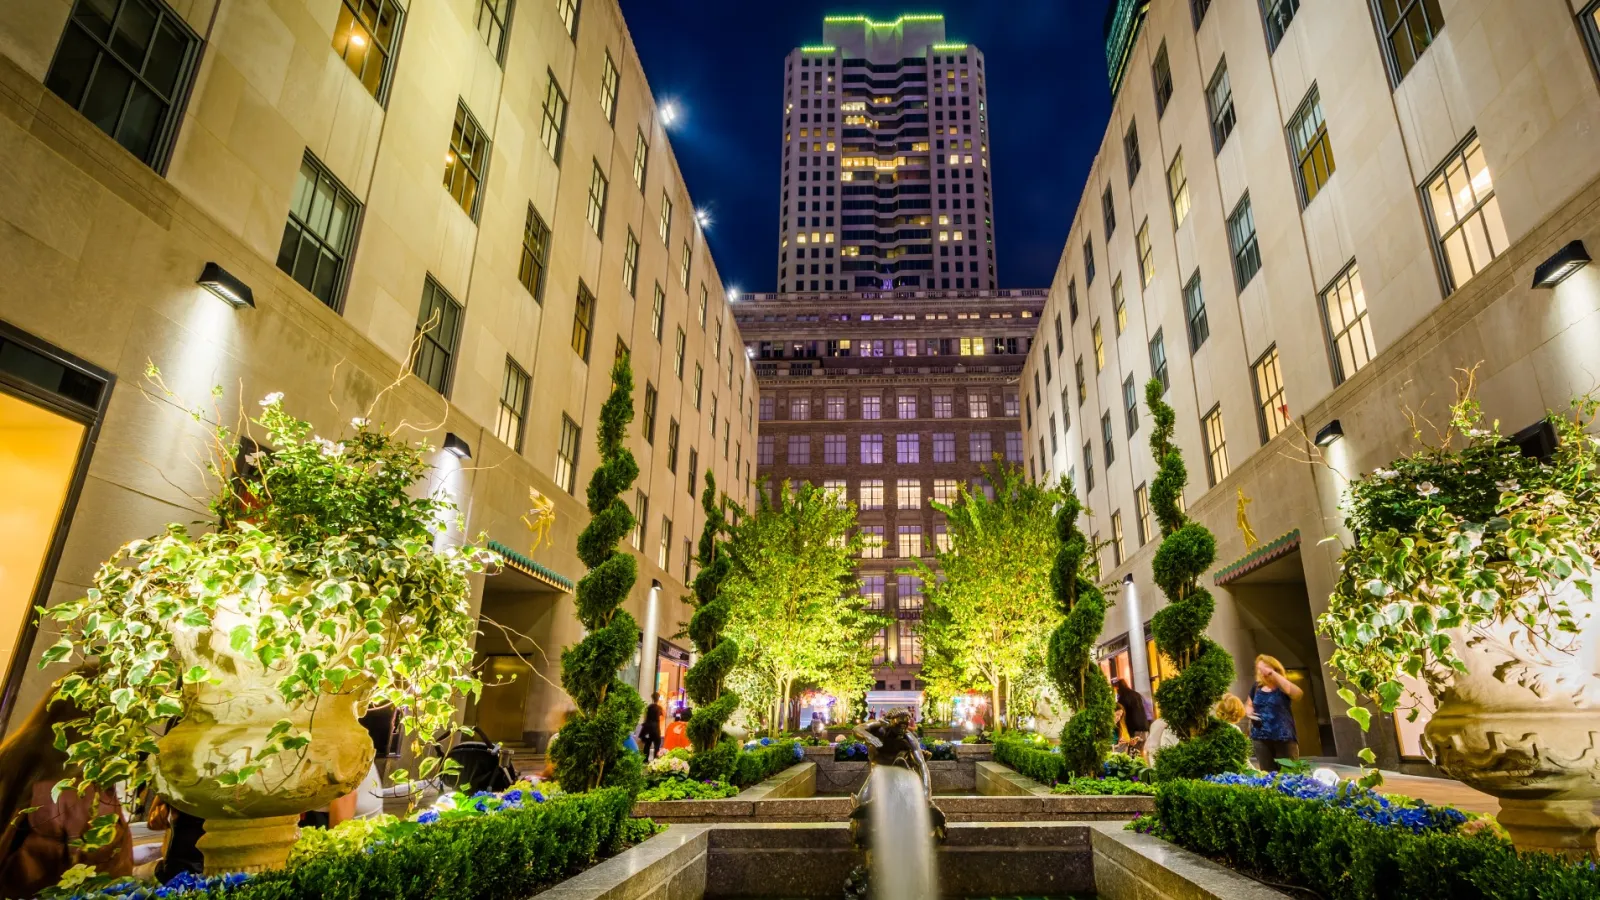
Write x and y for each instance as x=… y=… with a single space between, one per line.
x=532 y=569
x=1258 y=558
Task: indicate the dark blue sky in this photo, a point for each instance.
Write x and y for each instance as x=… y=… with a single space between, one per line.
x=722 y=60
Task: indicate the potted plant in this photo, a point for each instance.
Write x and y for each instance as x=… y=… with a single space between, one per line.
x=1471 y=575
x=237 y=657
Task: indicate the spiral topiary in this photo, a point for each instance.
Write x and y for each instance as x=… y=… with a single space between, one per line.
x=1207 y=744
x=588 y=752
x=714 y=703
x=1088 y=735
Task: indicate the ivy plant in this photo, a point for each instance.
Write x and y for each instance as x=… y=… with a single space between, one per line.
x=1453 y=537
x=317 y=560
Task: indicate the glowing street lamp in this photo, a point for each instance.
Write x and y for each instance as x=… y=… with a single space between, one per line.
x=702 y=217
x=669 y=114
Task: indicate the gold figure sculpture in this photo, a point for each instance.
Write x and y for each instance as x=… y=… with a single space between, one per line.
x=1244 y=522
x=539 y=518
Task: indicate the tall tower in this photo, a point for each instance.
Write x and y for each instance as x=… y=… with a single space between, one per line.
x=885 y=180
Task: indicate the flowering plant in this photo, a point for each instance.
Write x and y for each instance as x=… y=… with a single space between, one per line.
x=318 y=565
x=667 y=766
x=1379 y=809
x=941 y=751
x=689 y=789
x=852 y=751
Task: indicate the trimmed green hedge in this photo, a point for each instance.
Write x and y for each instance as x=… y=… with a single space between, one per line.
x=755 y=766
x=1341 y=856
x=1029 y=759
x=510 y=854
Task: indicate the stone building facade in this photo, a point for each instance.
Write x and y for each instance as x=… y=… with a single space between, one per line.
x=1302 y=215
x=893 y=399
x=486 y=182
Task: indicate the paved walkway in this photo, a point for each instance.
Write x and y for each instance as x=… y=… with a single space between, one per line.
x=1439 y=791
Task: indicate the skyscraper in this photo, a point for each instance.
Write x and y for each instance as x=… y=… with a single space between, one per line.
x=885 y=180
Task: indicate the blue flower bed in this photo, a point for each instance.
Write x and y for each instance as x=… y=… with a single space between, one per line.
x=850 y=751
x=1370 y=805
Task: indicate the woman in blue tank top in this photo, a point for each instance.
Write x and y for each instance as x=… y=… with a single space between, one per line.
x=1271 y=717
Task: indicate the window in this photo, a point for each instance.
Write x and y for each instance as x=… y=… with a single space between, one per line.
x=647 y=425
x=567 y=455
x=1014 y=446
x=1061 y=341
x=1194 y=310
x=872 y=493
x=583 y=321
x=568 y=11
x=1465 y=213
x=365 y=39
x=316 y=239
x=944 y=447
x=943 y=405
x=641 y=158
x=699 y=381
x=1088 y=263
x=609 y=82
x=493 y=17
x=1344 y=314
x=1409 y=27
x=907 y=448
x=906 y=406
x=979 y=449
x=872 y=449
x=1072 y=300
x=678 y=346
x=769 y=408
x=833 y=452
x=554 y=121
x=1308 y=137
x=872 y=540
x=800 y=407
x=598 y=185
x=1178 y=189
x=833 y=407
x=871 y=406
x=438 y=334
x=1108 y=211
x=1161 y=71
x=1278 y=15
x=705 y=298
x=908 y=493
x=630 y=266
x=684 y=262
x=1216 y=446
x=941 y=537
x=1591 y=29
x=872 y=590
x=694 y=470
x=1147 y=263
x=688 y=558
x=641 y=509
x=1119 y=550
x=513 y=406
x=1083 y=387
x=909 y=597
x=464 y=163
x=1272 y=414
x=910 y=543
x=129 y=86
x=658 y=313
x=1158 y=360
x=1099 y=348
x=1141 y=506
x=1242 y=241
x=1108 y=439
x=1219 y=102
x=664 y=553
x=666 y=219
x=1130 y=405
x=1130 y=151
x=1055 y=443
x=672 y=445
x=764 y=449
x=1088 y=466
x=799 y=450
x=838 y=490
x=1013 y=405
x=978 y=404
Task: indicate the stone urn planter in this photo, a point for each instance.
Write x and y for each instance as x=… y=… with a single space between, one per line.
x=1523 y=724
x=251 y=826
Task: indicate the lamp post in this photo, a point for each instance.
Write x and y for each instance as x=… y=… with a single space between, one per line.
x=1138 y=659
x=647 y=646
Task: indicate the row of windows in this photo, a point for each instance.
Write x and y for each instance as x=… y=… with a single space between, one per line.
x=883 y=348
x=907 y=448
x=907 y=406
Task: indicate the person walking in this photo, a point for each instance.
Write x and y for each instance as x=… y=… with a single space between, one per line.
x=1134 y=717
x=650 y=728
x=1271 y=714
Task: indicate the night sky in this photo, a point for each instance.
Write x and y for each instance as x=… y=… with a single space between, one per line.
x=722 y=62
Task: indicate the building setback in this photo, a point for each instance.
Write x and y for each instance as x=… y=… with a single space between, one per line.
x=1306 y=219
x=892 y=399
x=885 y=161
x=496 y=189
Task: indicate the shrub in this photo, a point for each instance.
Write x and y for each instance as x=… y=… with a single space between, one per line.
x=688 y=789
x=706 y=680
x=755 y=766
x=1030 y=759
x=1345 y=845
x=1128 y=768
x=1105 y=787
x=1088 y=735
x=942 y=751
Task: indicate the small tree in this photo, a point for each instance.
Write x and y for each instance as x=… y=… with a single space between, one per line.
x=797 y=611
x=1088 y=735
x=989 y=614
x=1205 y=670
x=714 y=702
x=588 y=752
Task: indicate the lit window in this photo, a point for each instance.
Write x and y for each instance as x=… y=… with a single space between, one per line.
x=1466 y=213
x=683 y=265
x=1242 y=241
x=464 y=161
x=678 y=354
x=978 y=404
x=630 y=265
x=365 y=39
x=908 y=448
x=799 y=407
x=833 y=406
x=568 y=11
x=641 y=509
x=1219 y=101
x=1178 y=190
x=910 y=543
x=664 y=552
x=871 y=406
x=1147 y=257
x=906 y=406
x=610 y=81
x=647 y=423
x=908 y=493
x=567 y=455
x=316 y=239
x=513 y=406
x=979 y=448
x=641 y=158
x=1344 y=311
x=598 y=186
x=554 y=119
x=1099 y=348
x=1141 y=504
x=871 y=493
x=1216 y=446
x=872 y=449
x=582 y=321
x=536 y=254
x=1119 y=549
x=1308 y=136
x=1272 y=412
x=673 y=433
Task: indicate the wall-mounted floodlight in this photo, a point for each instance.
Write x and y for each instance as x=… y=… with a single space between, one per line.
x=1555 y=270
x=456 y=446
x=219 y=281
x=1330 y=433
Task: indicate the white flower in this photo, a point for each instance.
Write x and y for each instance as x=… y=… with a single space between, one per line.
x=1477 y=432
x=255 y=458
x=1427 y=489
x=272 y=398
x=358 y=422
x=1508 y=486
x=329 y=448
x=1386 y=474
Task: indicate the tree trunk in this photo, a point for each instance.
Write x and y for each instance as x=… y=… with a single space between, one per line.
x=781 y=723
x=995 y=710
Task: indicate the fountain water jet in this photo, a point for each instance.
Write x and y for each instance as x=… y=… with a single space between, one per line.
x=901 y=855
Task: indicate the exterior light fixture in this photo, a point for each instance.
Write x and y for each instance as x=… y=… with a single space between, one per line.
x=733 y=295
x=455 y=445
x=655 y=584
x=219 y=281
x=669 y=114
x=1330 y=433
x=1128 y=578
x=702 y=218
x=1555 y=270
